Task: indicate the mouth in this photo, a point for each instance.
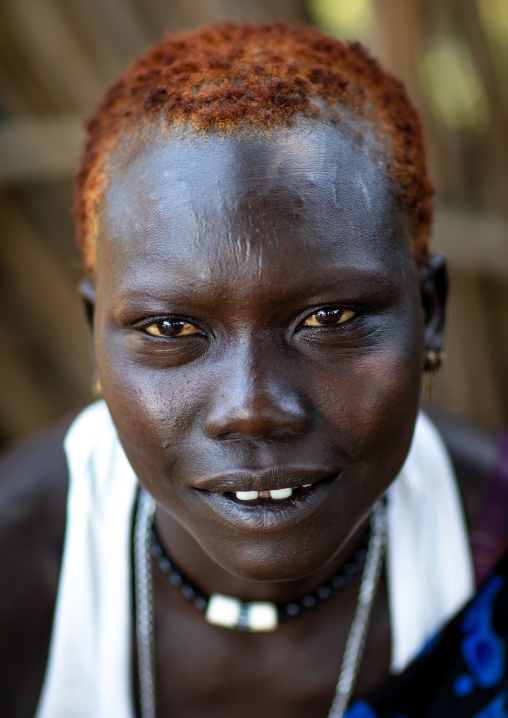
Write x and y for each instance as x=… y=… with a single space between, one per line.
x=267 y=503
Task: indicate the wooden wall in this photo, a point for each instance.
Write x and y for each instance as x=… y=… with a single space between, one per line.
x=56 y=58
x=469 y=164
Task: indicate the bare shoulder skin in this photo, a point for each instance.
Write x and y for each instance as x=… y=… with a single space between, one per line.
x=33 y=491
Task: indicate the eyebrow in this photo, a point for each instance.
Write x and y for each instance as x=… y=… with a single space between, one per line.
x=371 y=285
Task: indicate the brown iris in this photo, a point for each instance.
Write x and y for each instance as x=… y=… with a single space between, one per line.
x=329 y=317
x=171 y=328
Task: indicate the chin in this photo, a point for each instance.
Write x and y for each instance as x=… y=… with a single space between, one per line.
x=273 y=560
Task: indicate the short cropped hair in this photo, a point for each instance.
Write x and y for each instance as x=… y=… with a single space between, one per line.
x=230 y=77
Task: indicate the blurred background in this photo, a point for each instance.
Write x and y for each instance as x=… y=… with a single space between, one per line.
x=57 y=57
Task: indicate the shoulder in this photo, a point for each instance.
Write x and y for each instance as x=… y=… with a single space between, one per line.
x=474 y=451
x=33 y=493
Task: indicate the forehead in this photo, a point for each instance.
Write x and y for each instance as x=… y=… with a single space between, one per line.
x=314 y=194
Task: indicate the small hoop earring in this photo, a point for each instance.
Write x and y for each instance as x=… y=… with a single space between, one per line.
x=96 y=385
x=434 y=360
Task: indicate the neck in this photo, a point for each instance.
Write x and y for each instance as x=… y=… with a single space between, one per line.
x=210 y=577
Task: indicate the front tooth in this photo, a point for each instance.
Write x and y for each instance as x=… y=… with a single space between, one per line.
x=306 y=486
x=247 y=495
x=281 y=493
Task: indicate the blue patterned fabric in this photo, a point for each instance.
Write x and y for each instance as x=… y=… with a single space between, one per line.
x=482 y=649
x=462 y=673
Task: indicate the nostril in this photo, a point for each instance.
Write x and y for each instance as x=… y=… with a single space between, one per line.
x=273 y=426
x=229 y=435
x=255 y=436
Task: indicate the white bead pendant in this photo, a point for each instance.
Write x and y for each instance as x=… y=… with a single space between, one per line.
x=252 y=616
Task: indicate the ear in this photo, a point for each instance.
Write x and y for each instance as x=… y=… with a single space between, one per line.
x=87 y=296
x=434 y=291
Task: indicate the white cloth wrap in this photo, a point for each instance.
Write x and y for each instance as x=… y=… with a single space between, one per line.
x=89 y=668
x=430 y=574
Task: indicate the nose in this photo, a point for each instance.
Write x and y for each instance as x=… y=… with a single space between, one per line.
x=256 y=397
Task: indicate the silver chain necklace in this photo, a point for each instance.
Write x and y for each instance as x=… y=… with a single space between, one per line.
x=145 y=619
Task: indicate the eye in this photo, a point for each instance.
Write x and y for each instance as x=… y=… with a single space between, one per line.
x=171 y=328
x=329 y=317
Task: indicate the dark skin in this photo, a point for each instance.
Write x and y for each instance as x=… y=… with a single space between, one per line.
x=259 y=322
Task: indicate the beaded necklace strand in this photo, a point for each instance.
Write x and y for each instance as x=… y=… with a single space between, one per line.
x=230 y=612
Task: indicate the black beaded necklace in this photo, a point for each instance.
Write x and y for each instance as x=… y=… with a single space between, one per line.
x=242 y=610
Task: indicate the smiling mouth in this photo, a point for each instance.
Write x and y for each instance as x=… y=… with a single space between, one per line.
x=267 y=500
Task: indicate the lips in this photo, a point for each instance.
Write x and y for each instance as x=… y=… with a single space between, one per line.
x=275 y=479
x=267 y=501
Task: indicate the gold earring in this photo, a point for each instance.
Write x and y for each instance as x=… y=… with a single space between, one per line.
x=96 y=385
x=434 y=360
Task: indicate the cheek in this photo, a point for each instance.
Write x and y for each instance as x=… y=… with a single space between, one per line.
x=373 y=402
x=153 y=409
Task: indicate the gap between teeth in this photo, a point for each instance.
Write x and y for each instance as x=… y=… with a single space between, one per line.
x=274 y=494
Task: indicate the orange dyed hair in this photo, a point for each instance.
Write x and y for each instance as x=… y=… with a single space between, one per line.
x=259 y=76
